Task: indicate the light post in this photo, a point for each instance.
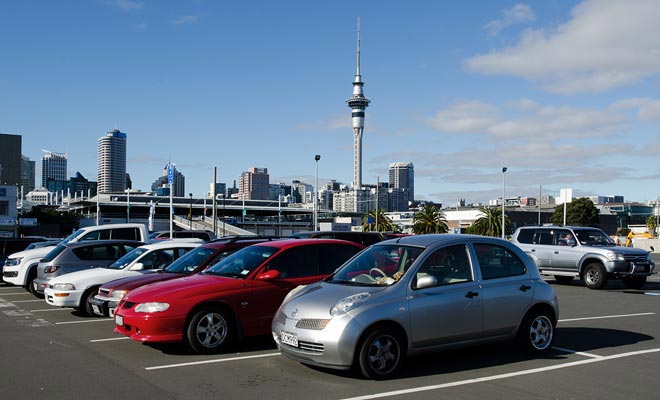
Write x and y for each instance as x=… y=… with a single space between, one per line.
x=503 y=197
x=316 y=188
x=190 y=213
x=223 y=215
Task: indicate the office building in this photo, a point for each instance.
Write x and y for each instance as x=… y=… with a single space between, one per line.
x=161 y=185
x=53 y=167
x=10 y=159
x=112 y=162
x=28 y=175
x=254 y=184
x=402 y=176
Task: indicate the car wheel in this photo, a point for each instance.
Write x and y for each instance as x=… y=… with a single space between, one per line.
x=536 y=332
x=595 y=276
x=210 y=331
x=634 y=282
x=381 y=354
x=32 y=275
x=563 y=279
x=85 y=306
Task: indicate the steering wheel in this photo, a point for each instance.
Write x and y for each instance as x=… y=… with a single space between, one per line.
x=383 y=274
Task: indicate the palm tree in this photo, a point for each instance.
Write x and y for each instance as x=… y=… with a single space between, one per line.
x=385 y=224
x=429 y=219
x=490 y=223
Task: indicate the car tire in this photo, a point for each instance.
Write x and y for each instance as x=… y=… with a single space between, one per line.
x=536 y=332
x=634 y=282
x=85 y=307
x=381 y=354
x=210 y=331
x=32 y=275
x=595 y=276
x=563 y=279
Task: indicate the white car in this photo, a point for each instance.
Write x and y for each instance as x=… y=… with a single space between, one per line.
x=75 y=289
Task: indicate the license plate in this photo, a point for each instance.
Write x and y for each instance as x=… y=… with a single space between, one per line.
x=289 y=338
x=111 y=311
x=119 y=320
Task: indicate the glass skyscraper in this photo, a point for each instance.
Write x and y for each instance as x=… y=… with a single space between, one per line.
x=112 y=162
x=53 y=167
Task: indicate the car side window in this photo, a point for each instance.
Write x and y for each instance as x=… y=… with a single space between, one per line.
x=448 y=265
x=126 y=233
x=498 y=262
x=526 y=236
x=296 y=262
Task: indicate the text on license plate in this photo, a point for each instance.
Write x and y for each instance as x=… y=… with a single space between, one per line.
x=119 y=320
x=289 y=338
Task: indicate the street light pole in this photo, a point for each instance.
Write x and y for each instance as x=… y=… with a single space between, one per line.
x=190 y=213
x=503 y=197
x=316 y=188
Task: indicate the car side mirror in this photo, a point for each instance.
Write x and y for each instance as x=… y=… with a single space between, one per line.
x=427 y=281
x=137 y=267
x=269 y=275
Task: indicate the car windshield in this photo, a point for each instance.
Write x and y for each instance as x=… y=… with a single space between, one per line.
x=593 y=237
x=241 y=263
x=377 y=265
x=127 y=259
x=190 y=261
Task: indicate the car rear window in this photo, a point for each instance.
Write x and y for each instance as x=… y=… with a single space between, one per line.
x=525 y=236
x=54 y=253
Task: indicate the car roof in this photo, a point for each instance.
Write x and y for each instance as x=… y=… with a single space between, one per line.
x=171 y=243
x=440 y=238
x=286 y=243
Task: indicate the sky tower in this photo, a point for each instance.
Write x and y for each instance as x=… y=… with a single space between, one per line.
x=358 y=103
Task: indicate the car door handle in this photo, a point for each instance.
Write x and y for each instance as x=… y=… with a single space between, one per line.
x=524 y=288
x=471 y=294
x=533 y=250
x=556 y=251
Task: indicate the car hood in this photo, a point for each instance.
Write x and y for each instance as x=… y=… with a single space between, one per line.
x=89 y=277
x=188 y=286
x=39 y=252
x=133 y=282
x=316 y=300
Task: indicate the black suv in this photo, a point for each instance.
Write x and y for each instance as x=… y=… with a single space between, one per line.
x=364 y=238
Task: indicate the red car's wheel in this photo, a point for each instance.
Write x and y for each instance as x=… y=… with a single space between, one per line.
x=210 y=331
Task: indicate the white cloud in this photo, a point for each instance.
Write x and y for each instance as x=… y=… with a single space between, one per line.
x=184 y=20
x=647 y=109
x=126 y=5
x=519 y=13
x=464 y=116
x=605 y=44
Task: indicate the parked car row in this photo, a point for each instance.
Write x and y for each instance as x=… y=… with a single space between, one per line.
x=335 y=303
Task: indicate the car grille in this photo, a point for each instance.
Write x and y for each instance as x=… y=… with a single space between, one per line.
x=11 y=274
x=312 y=323
x=635 y=257
x=316 y=348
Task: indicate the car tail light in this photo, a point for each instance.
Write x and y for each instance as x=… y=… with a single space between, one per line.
x=51 y=268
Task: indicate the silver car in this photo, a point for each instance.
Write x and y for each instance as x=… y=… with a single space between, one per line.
x=414 y=294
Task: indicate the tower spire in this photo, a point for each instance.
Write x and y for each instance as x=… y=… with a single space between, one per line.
x=358 y=103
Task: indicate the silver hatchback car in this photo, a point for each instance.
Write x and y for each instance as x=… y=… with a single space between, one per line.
x=415 y=294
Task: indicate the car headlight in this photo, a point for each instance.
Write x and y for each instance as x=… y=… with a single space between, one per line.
x=12 y=262
x=348 y=303
x=63 y=286
x=118 y=294
x=615 y=256
x=152 y=307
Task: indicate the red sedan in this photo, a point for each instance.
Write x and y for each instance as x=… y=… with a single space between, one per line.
x=236 y=297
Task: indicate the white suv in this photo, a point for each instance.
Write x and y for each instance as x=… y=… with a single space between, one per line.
x=568 y=252
x=21 y=268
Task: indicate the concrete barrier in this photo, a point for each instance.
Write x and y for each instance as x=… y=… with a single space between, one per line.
x=646 y=244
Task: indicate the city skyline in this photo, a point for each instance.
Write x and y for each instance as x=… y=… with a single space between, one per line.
x=461 y=91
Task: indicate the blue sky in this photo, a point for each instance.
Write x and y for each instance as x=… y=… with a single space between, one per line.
x=563 y=93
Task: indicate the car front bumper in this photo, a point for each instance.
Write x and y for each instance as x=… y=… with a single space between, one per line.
x=149 y=327
x=63 y=298
x=103 y=306
x=627 y=268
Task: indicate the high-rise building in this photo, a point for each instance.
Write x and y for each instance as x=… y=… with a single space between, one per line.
x=402 y=176
x=53 y=167
x=112 y=162
x=28 y=174
x=161 y=185
x=10 y=159
x=254 y=184
x=358 y=103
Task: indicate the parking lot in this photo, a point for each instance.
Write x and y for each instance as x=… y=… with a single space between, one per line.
x=607 y=346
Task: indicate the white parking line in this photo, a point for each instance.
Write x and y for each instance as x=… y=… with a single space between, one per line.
x=606 y=316
x=51 y=309
x=501 y=376
x=218 y=360
x=14 y=294
x=85 y=321
x=29 y=301
x=580 y=353
x=109 y=339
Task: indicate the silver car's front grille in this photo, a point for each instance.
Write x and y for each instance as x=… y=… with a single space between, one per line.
x=635 y=257
x=312 y=323
x=316 y=348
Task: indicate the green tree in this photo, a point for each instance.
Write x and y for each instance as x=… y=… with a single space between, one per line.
x=385 y=224
x=652 y=224
x=429 y=219
x=490 y=223
x=66 y=221
x=579 y=212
